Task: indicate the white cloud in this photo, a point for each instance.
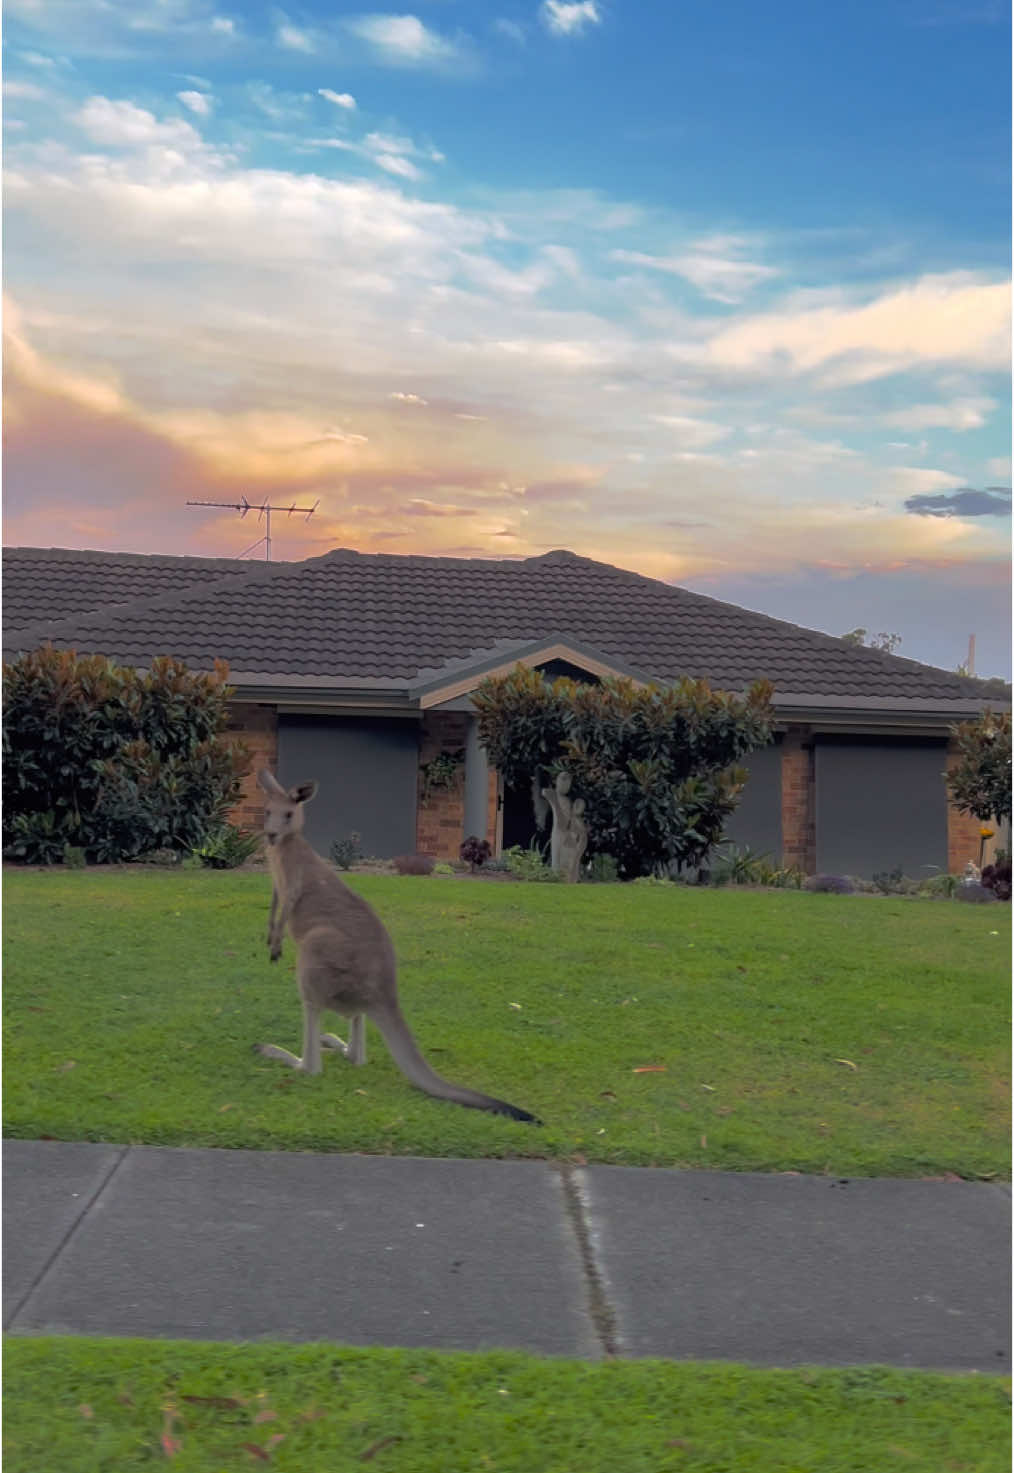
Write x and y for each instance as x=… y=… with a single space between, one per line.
x=952 y=318
x=403 y=40
x=198 y=102
x=125 y=125
x=294 y=39
x=24 y=91
x=910 y=480
x=343 y=437
x=392 y=154
x=999 y=466
x=223 y=26
x=511 y=29
x=340 y=99
x=564 y=259
x=394 y=163
x=714 y=266
x=962 y=414
x=569 y=17
x=280 y=107
x=36 y=58
x=408 y=398
x=690 y=433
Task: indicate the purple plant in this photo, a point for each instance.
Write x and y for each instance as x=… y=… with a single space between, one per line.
x=475 y=851
x=829 y=884
x=997 y=877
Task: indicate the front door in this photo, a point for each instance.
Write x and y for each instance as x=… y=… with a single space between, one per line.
x=518 y=816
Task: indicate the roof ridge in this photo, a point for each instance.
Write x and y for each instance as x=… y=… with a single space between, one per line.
x=970 y=684
x=178 y=597
x=96 y=554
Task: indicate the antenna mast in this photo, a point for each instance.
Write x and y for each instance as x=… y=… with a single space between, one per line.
x=265 y=511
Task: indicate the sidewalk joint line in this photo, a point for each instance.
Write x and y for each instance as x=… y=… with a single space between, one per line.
x=603 y=1316
x=114 y=1166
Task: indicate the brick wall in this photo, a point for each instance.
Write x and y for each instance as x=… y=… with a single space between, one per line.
x=962 y=830
x=440 y=820
x=799 y=824
x=257 y=726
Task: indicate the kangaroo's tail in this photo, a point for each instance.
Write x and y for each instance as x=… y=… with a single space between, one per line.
x=405 y=1053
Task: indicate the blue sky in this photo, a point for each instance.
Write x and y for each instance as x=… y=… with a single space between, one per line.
x=718 y=292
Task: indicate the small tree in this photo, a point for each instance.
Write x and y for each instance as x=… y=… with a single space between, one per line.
x=886 y=643
x=980 y=783
x=655 y=765
x=113 y=760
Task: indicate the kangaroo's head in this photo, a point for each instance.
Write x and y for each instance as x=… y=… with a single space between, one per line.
x=283 y=811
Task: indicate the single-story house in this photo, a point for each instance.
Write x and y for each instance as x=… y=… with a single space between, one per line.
x=357 y=669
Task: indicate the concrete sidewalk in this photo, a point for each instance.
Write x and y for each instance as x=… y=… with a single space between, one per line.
x=238 y=1245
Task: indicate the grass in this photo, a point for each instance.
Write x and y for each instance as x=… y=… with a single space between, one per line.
x=790 y=1031
x=116 y=1406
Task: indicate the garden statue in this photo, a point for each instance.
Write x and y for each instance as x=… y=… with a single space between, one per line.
x=569 y=838
x=573 y=843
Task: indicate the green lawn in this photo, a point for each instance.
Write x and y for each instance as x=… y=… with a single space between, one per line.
x=115 y=1406
x=132 y=999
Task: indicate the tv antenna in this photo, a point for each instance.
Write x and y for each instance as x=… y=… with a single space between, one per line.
x=265 y=511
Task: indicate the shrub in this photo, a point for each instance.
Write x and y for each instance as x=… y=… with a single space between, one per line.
x=227 y=848
x=36 y=838
x=828 y=884
x=997 y=878
x=475 y=851
x=166 y=857
x=528 y=864
x=740 y=867
x=444 y=869
x=654 y=764
x=113 y=760
x=603 y=870
x=347 y=852
x=888 y=882
x=980 y=783
x=74 y=857
x=940 y=887
x=777 y=878
x=414 y=864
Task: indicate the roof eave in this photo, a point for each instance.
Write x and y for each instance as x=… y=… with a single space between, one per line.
x=885 y=715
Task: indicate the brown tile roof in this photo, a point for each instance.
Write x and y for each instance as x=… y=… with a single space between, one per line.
x=388 y=621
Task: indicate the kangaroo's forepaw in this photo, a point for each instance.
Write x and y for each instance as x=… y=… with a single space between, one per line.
x=274 y=953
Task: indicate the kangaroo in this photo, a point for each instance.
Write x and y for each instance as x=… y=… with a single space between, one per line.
x=346 y=960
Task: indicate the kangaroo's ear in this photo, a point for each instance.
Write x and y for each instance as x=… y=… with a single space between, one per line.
x=303 y=793
x=270 y=783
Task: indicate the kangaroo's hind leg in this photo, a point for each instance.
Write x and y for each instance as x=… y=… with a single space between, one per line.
x=355 y=1049
x=309 y=1062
